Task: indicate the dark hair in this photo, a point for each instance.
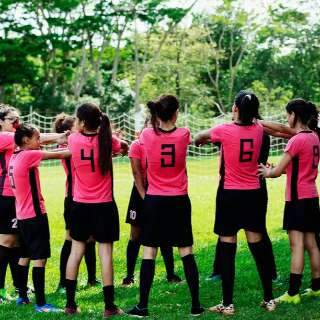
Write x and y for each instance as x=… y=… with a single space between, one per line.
x=63 y=122
x=5 y=109
x=248 y=105
x=24 y=130
x=94 y=119
x=305 y=111
x=163 y=108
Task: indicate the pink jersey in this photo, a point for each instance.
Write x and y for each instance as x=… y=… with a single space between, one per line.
x=25 y=183
x=68 y=167
x=166 y=154
x=6 y=151
x=240 y=152
x=303 y=169
x=90 y=186
x=136 y=151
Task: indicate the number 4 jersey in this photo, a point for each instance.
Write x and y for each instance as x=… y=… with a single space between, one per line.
x=239 y=155
x=166 y=153
x=90 y=186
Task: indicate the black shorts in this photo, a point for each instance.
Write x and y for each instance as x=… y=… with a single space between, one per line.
x=240 y=209
x=68 y=202
x=135 y=208
x=99 y=220
x=8 y=220
x=302 y=215
x=35 y=238
x=166 y=221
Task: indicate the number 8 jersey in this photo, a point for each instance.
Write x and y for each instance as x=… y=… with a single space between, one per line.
x=166 y=153
x=239 y=155
x=90 y=186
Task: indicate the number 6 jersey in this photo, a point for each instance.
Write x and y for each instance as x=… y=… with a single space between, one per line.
x=239 y=155
x=90 y=186
x=166 y=154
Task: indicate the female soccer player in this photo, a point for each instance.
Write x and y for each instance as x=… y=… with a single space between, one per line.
x=64 y=122
x=31 y=213
x=94 y=212
x=167 y=208
x=134 y=215
x=240 y=202
x=301 y=213
x=9 y=246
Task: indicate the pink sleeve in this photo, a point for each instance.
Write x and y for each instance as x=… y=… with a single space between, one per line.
x=7 y=141
x=142 y=136
x=33 y=158
x=293 y=146
x=216 y=133
x=189 y=136
x=116 y=144
x=134 y=151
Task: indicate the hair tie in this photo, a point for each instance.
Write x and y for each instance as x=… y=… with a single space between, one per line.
x=248 y=96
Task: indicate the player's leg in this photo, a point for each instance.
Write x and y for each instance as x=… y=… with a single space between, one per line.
x=296 y=239
x=216 y=266
x=314 y=255
x=167 y=254
x=90 y=259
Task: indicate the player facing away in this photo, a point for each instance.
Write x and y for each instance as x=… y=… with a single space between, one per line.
x=94 y=213
x=240 y=202
x=167 y=207
x=301 y=213
x=31 y=212
x=134 y=218
x=216 y=267
x=64 y=122
x=9 y=245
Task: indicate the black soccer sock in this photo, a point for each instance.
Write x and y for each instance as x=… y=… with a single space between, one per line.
x=294 y=284
x=216 y=269
x=108 y=294
x=38 y=277
x=167 y=254
x=4 y=260
x=192 y=277
x=263 y=263
x=269 y=252
x=315 y=284
x=64 y=256
x=71 y=286
x=90 y=259
x=13 y=262
x=133 y=248
x=146 y=278
x=227 y=260
x=23 y=273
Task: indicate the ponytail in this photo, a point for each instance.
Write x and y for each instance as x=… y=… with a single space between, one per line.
x=248 y=106
x=63 y=122
x=154 y=122
x=105 y=145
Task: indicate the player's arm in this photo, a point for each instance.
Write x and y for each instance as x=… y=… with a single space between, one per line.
x=277 y=134
x=137 y=175
x=275 y=172
x=124 y=148
x=202 y=137
x=59 y=138
x=278 y=128
x=63 y=154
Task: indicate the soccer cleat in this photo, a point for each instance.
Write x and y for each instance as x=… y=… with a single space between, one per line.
x=138 y=313
x=92 y=284
x=22 y=301
x=197 y=311
x=71 y=311
x=214 y=277
x=127 y=281
x=269 y=305
x=286 y=298
x=61 y=290
x=47 y=308
x=115 y=311
x=309 y=293
x=225 y=310
x=174 y=279
x=4 y=296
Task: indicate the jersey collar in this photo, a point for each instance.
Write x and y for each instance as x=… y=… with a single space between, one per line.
x=167 y=131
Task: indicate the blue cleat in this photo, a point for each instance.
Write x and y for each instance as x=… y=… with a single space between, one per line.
x=47 y=308
x=22 y=301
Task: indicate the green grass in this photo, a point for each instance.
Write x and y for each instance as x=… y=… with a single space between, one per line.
x=172 y=301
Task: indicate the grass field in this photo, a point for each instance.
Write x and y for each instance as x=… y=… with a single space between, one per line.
x=172 y=301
